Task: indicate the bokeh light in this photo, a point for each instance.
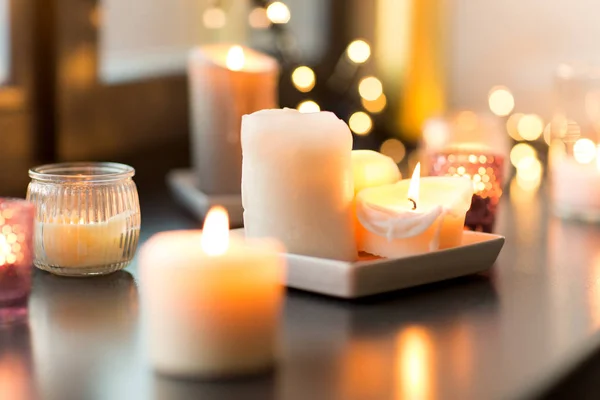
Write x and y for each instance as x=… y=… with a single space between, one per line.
x=520 y=151
x=394 y=149
x=358 y=51
x=529 y=173
x=360 y=123
x=214 y=18
x=278 y=13
x=512 y=124
x=304 y=79
x=375 y=106
x=501 y=101
x=258 y=18
x=370 y=88
x=308 y=106
x=584 y=151
x=530 y=126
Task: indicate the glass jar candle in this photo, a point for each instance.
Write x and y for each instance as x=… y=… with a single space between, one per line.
x=574 y=157
x=474 y=146
x=87 y=219
x=16 y=249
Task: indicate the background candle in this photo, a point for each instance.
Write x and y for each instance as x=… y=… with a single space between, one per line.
x=297 y=182
x=16 y=254
x=395 y=226
x=226 y=82
x=212 y=302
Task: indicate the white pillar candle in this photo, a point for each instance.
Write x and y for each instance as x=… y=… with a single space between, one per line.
x=297 y=182
x=413 y=216
x=212 y=302
x=575 y=187
x=226 y=82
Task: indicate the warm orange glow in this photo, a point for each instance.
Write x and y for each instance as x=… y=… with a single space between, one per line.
x=511 y=126
x=14 y=378
x=214 y=18
x=303 y=79
x=501 y=101
x=258 y=18
x=584 y=151
x=358 y=51
x=370 y=88
x=215 y=233
x=394 y=149
x=530 y=126
x=414 y=364
x=467 y=120
x=235 y=58
x=413 y=189
x=374 y=106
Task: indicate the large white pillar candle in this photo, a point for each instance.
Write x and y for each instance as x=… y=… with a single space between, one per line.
x=413 y=216
x=226 y=82
x=211 y=302
x=297 y=182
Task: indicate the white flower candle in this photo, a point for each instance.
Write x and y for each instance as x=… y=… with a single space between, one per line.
x=413 y=216
x=297 y=182
x=212 y=302
x=226 y=82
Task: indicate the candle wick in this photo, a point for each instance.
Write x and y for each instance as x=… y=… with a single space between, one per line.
x=414 y=203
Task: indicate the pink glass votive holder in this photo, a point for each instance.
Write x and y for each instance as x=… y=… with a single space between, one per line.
x=16 y=257
x=486 y=172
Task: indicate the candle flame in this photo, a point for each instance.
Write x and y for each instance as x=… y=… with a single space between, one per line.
x=215 y=233
x=235 y=58
x=413 y=189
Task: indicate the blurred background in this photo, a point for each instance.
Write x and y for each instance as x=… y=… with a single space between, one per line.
x=106 y=79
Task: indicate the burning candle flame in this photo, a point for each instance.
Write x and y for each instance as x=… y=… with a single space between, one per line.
x=215 y=233
x=235 y=58
x=413 y=189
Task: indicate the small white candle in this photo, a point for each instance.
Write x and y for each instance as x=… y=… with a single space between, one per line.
x=297 y=182
x=212 y=302
x=226 y=82
x=413 y=216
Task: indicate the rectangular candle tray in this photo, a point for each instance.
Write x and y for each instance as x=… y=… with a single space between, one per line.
x=372 y=275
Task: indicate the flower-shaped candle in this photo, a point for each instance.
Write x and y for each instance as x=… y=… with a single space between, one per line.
x=413 y=216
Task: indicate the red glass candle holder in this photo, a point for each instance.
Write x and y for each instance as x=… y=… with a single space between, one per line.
x=16 y=257
x=486 y=172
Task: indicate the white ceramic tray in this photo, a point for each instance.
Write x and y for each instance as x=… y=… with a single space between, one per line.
x=372 y=275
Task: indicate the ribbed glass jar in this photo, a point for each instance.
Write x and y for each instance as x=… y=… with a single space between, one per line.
x=87 y=219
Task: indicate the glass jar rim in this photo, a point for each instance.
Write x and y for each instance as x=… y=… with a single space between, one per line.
x=81 y=172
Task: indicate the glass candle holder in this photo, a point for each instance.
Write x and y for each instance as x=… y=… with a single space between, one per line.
x=16 y=249
x=574 y=158
x=87 y=219
x=474 y=146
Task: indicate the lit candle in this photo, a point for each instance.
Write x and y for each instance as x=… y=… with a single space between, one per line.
x=226 y=82
x=297 y=182
x=413 y=216
x=575 y=183
x=212 y=301
x=371 y=169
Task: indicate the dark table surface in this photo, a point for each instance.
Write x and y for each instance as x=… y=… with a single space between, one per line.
x=514 y=332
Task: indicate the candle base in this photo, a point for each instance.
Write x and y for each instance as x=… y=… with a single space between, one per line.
x=185 y=188
x=94 y=270
x=206 y=376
